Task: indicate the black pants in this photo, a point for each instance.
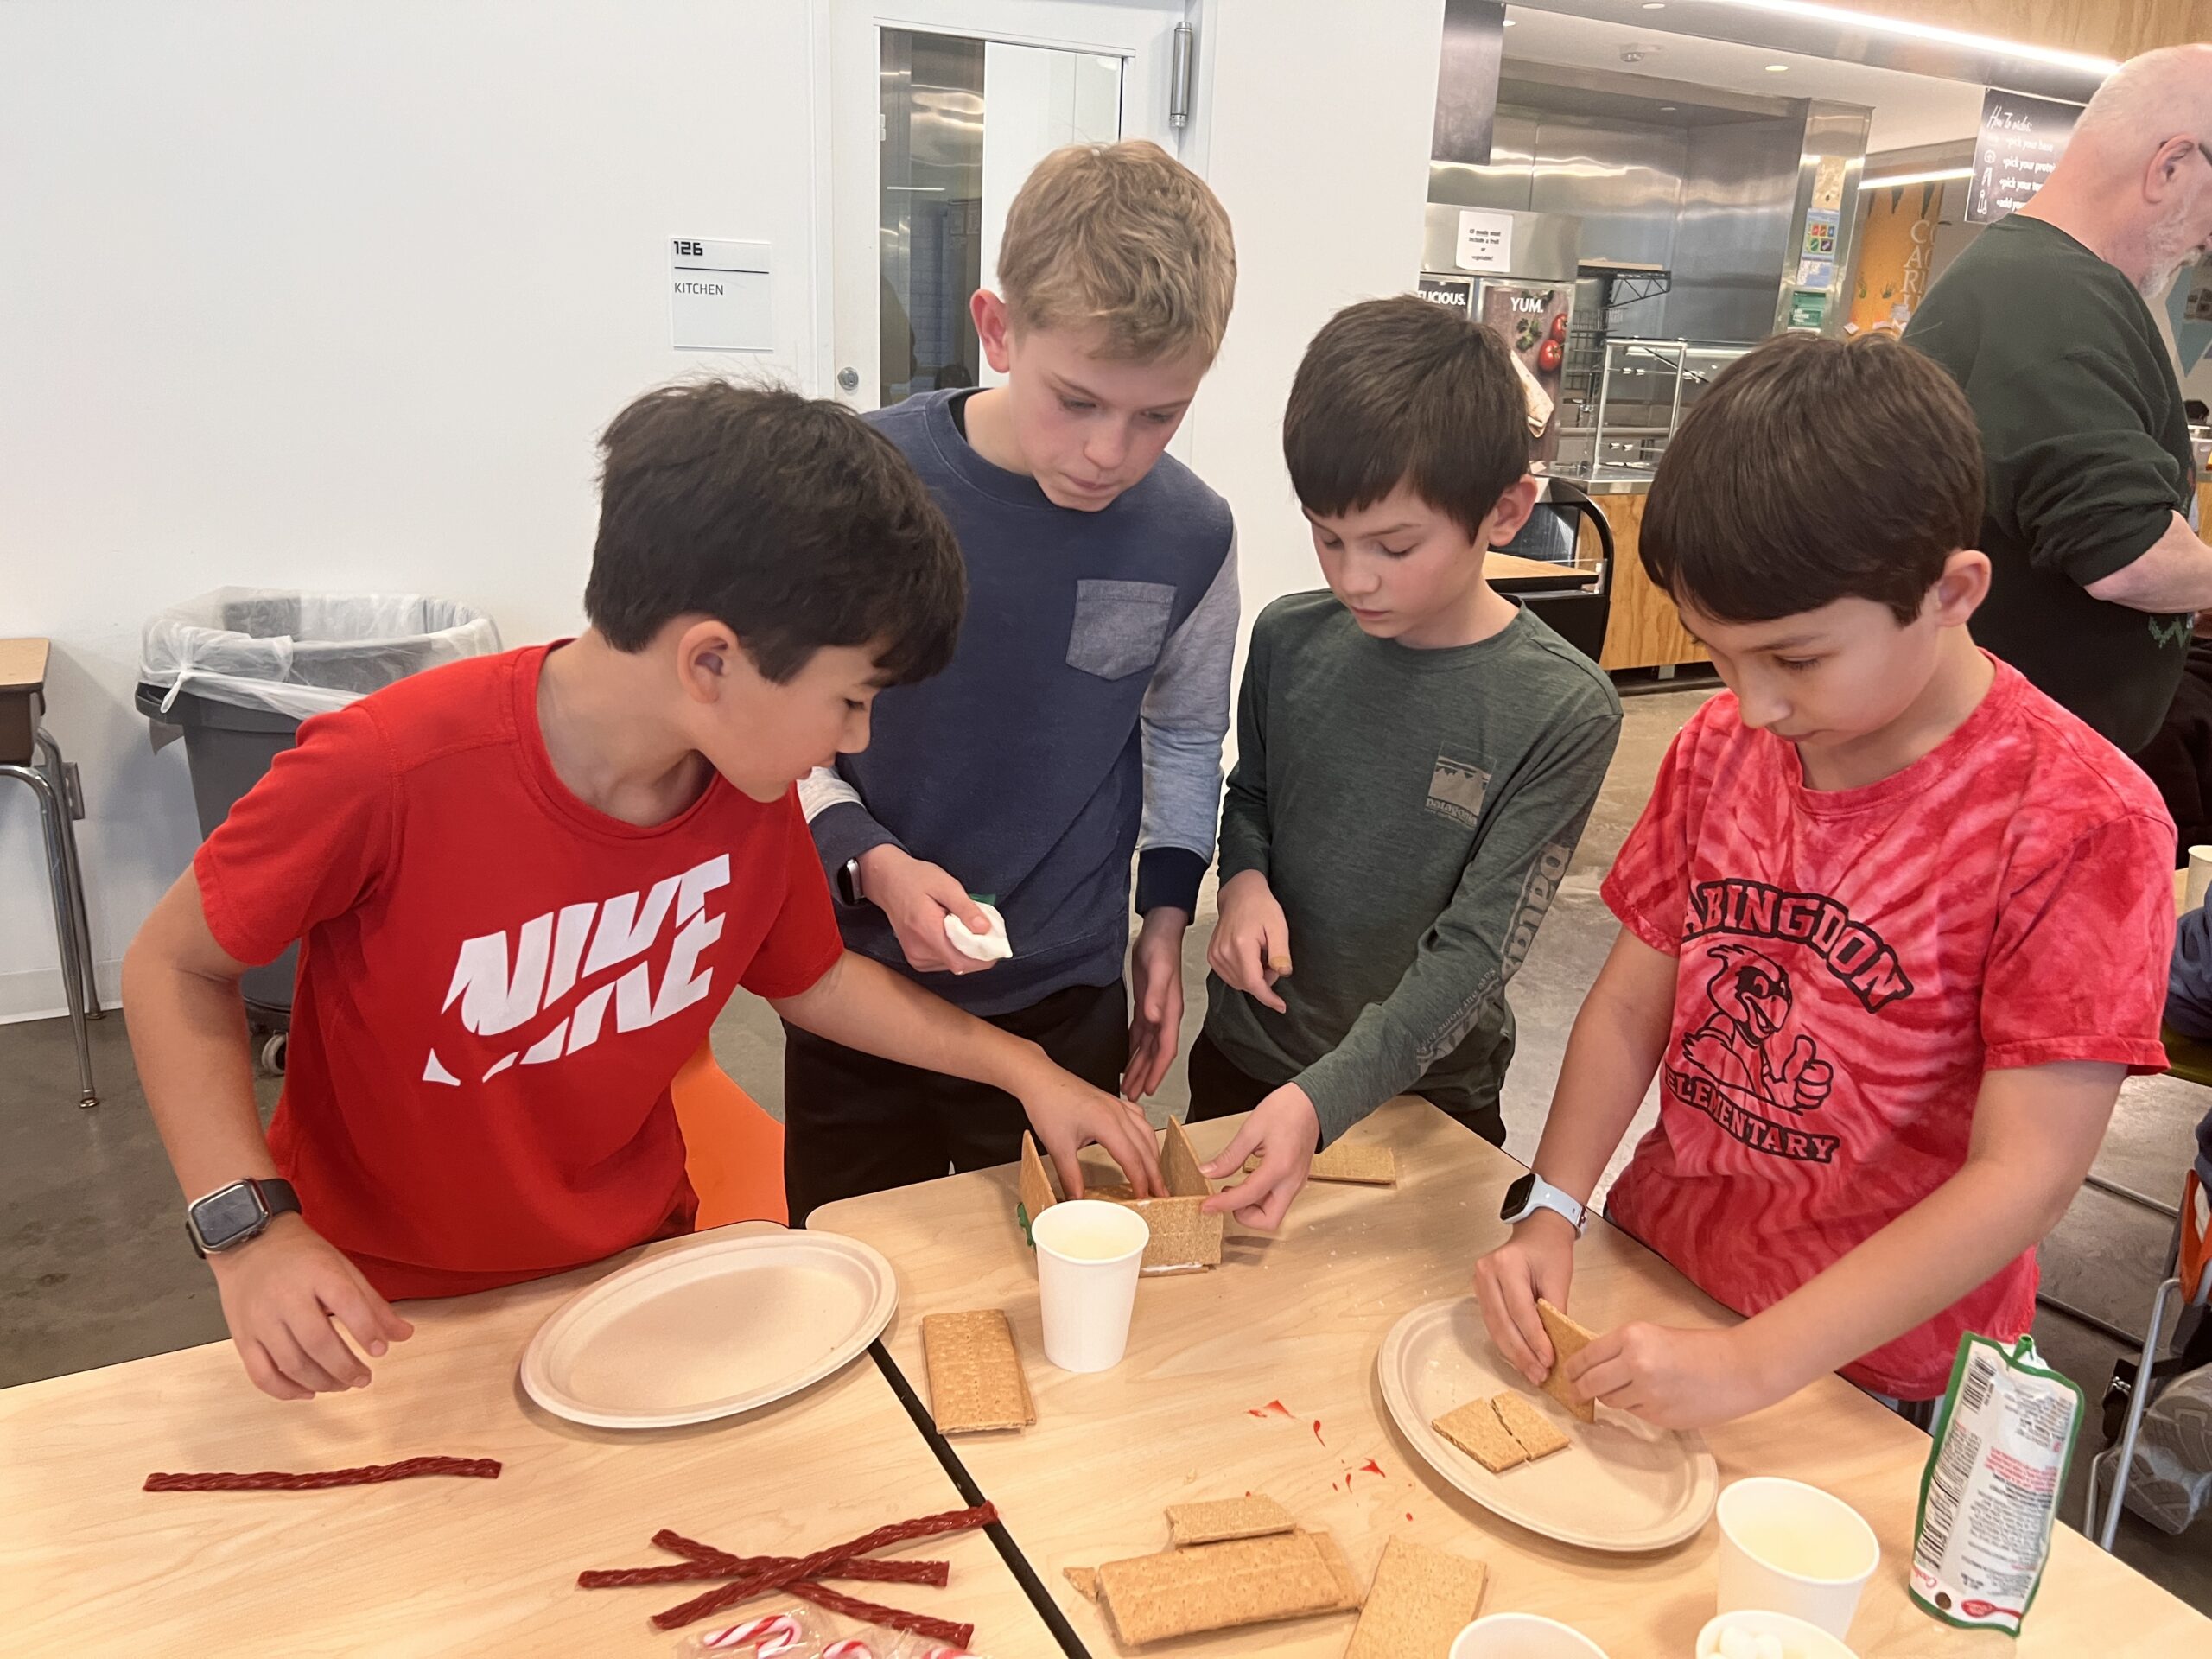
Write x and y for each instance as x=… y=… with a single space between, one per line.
x=1220 y=1089
x=853 y=1124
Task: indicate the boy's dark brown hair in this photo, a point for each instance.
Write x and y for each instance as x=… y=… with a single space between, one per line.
x=1402 y=390
x=1815 y=470
x=789 y=518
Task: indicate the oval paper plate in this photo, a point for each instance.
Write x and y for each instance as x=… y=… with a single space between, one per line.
x=1623 y=1484
x=724 y=1326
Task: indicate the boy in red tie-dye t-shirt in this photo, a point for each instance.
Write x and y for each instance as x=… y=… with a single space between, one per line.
x=1894 y=925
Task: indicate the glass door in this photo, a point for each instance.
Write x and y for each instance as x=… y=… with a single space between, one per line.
x=962 y=122
x=937 y=115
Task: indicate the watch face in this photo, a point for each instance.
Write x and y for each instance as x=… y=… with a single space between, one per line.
x=1517 y=1198
x=226 y=1217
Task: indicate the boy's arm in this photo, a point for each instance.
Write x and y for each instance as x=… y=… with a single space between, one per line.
x=863 y=1005
x=1476 y=946
x=1251 y=947
x=1184 y=718
x=1612 y=1055
x=2036 y=1132
x=280 y=1291
x=1461 y=966
x=914 y=895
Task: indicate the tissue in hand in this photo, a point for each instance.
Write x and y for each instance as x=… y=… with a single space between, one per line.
x=984 y=947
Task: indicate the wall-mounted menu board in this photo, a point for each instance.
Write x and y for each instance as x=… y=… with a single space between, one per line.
x=2019 y=144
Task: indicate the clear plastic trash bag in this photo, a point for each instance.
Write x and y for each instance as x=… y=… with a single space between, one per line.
x=300 y=654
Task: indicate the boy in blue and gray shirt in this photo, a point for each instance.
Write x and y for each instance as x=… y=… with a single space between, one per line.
x=1082 y=719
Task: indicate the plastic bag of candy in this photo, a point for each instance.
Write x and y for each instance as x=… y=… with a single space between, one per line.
x=801 y=1632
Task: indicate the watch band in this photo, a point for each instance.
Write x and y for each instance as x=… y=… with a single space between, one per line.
x=272 y=1197
x=1533 y=1192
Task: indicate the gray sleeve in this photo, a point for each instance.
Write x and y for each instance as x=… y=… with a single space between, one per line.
x=1184 y=720
x=842 y=825
x=1246 y=839
x=1465 y=960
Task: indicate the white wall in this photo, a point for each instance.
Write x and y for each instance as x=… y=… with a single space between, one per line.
x=1314 y=129
x=338 y=296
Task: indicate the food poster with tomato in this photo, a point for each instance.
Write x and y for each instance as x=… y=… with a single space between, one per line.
x=1532 y=319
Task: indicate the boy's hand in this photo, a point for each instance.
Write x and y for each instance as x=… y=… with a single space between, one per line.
x=1537 y=1261
x=281 y=1295
x=1284 y=1129
x=1068 y=1115
x=1156 y=992
x=1250 y=948
x=1674 y=1378
x=916 y=896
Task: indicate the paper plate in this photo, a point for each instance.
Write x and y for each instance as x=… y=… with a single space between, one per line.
x=725 y=1325
x=1623 y=1485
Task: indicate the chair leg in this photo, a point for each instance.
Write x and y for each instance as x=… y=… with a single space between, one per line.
x=52 y=809
x=2137 y=1399
x=57 y=770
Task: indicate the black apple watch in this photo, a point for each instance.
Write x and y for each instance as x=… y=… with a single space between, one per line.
x=232 y=1215
x=848 y=881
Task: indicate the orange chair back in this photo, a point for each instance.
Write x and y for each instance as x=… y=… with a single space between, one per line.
x=733 y=1151
x=2196 y=1241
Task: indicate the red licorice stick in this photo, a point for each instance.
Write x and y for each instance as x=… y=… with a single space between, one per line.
x=371 y=1475
x=718 y=1569
x=760 y=1584
x=892 y=1618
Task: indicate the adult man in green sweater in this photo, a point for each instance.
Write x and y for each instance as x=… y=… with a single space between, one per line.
x=2089 y=527
x=1416 y=758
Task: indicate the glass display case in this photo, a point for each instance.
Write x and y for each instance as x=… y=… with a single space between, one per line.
x=1644 y=387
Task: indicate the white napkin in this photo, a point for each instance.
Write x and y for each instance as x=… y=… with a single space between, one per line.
x=984 y=947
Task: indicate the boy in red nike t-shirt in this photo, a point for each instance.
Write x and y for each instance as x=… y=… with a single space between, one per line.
x=1894 y=925
x=526 y=884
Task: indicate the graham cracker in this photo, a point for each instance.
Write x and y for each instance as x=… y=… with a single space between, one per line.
x=1568 y=1339
x=1184 y=1239
x=1476 y=1430
x=1085 y=1579
x=1361 y=1163
x=1348 y=1595
x=1215 y=1587
x=1419 y=1600
x=1225 y=1518
x=1537 y=1434
x=976 y=1378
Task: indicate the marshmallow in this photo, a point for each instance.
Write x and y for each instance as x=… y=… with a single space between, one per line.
x=984 y=947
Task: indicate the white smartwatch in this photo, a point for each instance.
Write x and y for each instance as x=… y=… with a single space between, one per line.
x=1533 y=1193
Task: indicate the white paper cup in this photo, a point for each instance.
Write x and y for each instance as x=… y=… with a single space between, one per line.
x=1522 y=1635
x=1788 y=1548
x=2200 y=877
x=1088 y=1253
x=1799 y=1640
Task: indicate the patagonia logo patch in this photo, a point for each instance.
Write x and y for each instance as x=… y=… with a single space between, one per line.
x=1456 y=791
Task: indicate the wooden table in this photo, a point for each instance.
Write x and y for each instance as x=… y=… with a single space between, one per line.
x=1299 y=1317
x=1512 y=567
x=89 y=1564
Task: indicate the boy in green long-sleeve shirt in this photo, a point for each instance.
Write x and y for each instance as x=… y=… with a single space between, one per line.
x=1416 y=757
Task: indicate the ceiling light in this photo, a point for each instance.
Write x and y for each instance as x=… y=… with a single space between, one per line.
x=1860 y=19
x=1655 y=5
x=1666 y=109
x=1777 y=68
x=1929 y=177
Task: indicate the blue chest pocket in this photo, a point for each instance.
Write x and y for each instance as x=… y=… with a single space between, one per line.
x=1121 y=627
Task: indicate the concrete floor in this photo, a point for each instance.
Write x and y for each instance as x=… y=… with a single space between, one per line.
x=94 y=1268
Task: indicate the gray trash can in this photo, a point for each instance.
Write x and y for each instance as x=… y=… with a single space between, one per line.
x=237 y=671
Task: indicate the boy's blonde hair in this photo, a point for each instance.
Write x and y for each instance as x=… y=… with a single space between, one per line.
x=1123 y=238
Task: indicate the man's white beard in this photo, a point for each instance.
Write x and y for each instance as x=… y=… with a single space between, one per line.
x=2170 y=250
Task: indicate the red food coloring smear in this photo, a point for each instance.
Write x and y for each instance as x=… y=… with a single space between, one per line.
x=1409 y=1515
x=1272 y=1408
x=1370 y=1467
x=1317 y=1431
